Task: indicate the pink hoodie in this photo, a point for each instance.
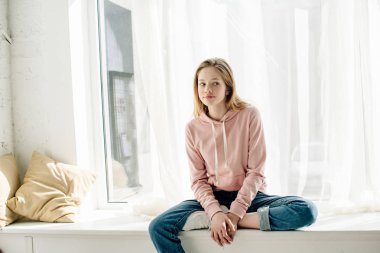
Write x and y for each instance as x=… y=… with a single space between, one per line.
x=226 y=155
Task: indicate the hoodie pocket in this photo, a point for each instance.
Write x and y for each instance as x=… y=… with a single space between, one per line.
x=230 y=183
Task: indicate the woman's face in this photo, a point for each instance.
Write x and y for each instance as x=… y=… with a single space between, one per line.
x=211 y=88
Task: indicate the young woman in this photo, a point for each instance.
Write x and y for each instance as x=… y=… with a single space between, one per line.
x=226 y=150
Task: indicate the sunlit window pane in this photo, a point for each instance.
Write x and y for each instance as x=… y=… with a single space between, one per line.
x=126 y=124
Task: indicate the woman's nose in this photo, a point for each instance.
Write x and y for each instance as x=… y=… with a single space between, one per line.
x=208 y=89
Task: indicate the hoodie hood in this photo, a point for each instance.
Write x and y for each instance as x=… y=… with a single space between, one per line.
x=206 y=119
x=228 y=116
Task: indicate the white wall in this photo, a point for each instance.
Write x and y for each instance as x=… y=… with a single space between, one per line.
x=41 y=80
x=6 y=136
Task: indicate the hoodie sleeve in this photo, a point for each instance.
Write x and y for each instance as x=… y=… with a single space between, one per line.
x=199 y=180
x=255 y=172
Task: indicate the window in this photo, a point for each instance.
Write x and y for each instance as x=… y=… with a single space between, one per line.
x=125 y=118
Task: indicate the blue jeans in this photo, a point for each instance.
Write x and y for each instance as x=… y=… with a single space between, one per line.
x=275 y=213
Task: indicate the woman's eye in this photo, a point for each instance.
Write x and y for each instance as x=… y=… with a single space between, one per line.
x=216 y=83
x=201 y=84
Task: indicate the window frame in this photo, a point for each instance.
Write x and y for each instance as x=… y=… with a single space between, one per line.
x=99 y=101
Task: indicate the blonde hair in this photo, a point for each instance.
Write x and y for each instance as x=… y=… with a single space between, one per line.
x=233 y=101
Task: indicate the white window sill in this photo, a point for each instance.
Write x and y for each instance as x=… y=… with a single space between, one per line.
x=124 y=222
x=116 y=231
x=100 y=222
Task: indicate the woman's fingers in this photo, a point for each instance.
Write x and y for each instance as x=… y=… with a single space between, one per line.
x=230 y=225
x=231 y=229
x=220 y=237
x=215 y=237
x=225 y=236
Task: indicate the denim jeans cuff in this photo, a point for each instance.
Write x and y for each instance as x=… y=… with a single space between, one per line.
x=264 y=218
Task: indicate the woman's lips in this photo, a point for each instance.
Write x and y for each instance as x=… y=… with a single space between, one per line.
x=209 y=97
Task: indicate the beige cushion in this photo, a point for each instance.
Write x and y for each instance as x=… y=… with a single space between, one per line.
x=51 y=191
x=9 y=183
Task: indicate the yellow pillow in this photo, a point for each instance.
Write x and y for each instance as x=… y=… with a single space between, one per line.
x=51 y=191
x=9 y=183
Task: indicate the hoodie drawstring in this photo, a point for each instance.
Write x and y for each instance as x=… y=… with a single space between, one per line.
x=225 y=146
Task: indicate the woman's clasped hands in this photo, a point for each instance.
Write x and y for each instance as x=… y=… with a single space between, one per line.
x=223 y=228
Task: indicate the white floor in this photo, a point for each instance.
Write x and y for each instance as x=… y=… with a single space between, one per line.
x=122 y=232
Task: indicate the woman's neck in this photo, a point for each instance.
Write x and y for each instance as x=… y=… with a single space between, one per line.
x=217 y=113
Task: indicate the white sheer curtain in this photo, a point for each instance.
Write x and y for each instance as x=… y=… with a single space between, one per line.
x=311 y=67
x=349 y=72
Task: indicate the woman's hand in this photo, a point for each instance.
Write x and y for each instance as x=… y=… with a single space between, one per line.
x=220 y=224
x=234 y=219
